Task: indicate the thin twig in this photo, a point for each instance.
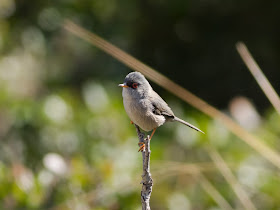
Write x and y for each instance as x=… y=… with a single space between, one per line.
x=259 y=75
x=230 y=178
x=147 y=181
x=267 y=152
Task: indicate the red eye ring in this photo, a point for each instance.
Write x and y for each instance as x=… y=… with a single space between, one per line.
x=135 y=85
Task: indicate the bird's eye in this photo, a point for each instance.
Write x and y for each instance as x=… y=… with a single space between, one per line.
x=134 y=85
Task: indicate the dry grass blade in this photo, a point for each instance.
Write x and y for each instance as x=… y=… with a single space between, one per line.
x=178 y=166
x=258 y=75
x=195 y=171
x=214 y=193
x=177 y=90
x=230 y=178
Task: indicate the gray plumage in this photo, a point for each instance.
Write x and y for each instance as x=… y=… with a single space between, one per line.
x=144 y=106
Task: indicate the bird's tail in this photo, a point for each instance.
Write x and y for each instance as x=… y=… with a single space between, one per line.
x=187 y=124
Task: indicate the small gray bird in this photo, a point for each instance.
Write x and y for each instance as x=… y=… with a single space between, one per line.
x=144 y=106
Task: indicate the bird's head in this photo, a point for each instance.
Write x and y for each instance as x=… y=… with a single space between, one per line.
x=136 y=85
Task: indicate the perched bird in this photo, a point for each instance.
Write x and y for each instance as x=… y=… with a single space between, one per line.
x=144 y=106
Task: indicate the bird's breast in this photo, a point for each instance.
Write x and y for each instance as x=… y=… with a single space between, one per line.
x=140 y=112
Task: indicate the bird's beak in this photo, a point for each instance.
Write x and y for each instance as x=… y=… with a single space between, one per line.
x=123 y=85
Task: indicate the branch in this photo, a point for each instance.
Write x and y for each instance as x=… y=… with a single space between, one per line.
x=147 y=181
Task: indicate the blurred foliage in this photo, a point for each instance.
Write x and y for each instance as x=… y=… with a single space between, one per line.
x=66 y=142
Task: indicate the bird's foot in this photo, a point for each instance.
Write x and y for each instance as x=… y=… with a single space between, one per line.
x=142 y=146
x=154 y=130
x=131 y=122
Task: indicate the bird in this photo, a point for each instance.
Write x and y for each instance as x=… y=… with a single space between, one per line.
x=145 y=107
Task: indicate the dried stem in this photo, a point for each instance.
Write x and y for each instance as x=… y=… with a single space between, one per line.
x=259 y=76
x=230 y=178
x=147 y=181
x=196 y=172
x=213 y=192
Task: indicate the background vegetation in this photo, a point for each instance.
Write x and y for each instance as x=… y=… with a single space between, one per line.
x=65 y=140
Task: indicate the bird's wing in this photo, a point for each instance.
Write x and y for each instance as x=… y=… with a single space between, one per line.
x=160 y=107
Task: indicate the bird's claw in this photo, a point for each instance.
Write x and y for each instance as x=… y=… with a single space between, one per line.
x=142 y=146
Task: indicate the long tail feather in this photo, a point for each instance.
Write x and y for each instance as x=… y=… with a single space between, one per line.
x=187 y=124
